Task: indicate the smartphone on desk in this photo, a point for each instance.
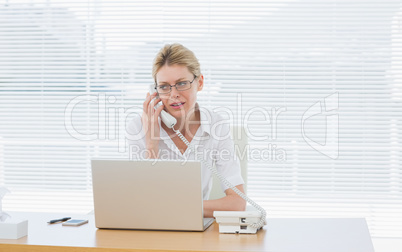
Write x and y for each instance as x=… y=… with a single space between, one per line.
x=74 y=222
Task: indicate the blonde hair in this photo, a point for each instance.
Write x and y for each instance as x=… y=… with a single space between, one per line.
x=176 y=53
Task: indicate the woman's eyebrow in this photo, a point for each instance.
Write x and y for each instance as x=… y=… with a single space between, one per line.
x=164 y=82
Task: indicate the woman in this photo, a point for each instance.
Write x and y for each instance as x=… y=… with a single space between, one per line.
x=178 y=79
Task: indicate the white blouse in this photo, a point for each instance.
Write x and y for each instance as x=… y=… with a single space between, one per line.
x=212 y=139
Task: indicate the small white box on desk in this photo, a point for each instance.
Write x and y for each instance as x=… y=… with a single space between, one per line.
x=13 y=228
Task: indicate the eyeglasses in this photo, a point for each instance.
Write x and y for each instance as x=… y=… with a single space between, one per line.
x=180 y=86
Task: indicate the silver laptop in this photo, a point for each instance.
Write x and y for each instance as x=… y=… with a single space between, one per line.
x=152 y=194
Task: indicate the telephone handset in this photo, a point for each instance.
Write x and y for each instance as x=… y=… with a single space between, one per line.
x=167 y=119
x=170 y=122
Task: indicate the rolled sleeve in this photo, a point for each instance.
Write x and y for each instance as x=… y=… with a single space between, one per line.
x=226 y=160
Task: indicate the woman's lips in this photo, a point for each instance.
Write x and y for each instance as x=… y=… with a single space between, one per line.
x=177 y=105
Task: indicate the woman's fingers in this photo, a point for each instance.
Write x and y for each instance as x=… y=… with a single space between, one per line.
x=153 y=103
x=148 y=99
x=159 y=110
x=151 y=113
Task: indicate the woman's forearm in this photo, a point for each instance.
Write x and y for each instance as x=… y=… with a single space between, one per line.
x=231 y=202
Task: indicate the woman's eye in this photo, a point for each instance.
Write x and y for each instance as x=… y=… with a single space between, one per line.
x=164 y=87
x=181 y=83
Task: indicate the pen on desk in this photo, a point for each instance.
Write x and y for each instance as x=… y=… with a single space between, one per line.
x=59 y=220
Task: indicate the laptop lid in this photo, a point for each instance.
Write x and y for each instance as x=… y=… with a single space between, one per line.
x=149 y=194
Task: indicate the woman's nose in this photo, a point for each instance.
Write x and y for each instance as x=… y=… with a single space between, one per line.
x=174 y=92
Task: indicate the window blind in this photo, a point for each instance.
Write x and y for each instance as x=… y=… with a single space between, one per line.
x=317 y=84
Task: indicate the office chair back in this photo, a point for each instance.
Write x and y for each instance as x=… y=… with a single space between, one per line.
x=240 y=141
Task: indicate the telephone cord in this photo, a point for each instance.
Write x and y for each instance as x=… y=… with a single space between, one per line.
x=257 y=225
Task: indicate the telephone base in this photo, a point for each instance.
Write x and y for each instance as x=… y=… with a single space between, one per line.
x=237 y=222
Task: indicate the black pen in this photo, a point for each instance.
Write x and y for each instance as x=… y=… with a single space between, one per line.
x=59 y=220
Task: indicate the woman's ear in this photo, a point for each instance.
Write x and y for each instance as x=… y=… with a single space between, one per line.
x=200 y=82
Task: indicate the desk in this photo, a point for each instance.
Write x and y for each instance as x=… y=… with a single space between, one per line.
x=280 y=235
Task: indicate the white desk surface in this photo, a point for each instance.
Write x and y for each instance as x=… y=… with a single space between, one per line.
x=279 y=235
x=318 y=235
